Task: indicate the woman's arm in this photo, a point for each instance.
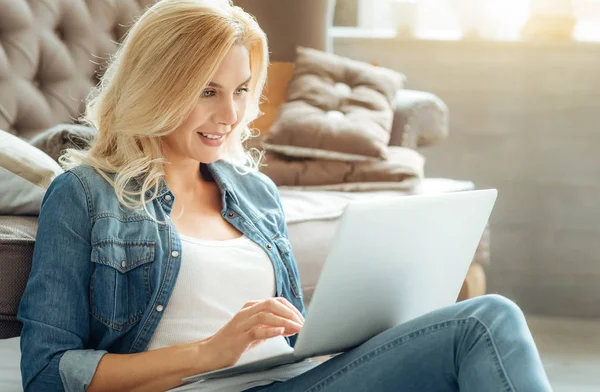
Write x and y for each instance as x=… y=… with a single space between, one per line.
x=163 y=369
x=54 y=308
x=156 y=370
x=55 y=312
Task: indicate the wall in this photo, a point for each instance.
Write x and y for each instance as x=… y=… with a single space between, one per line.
x=525 y=120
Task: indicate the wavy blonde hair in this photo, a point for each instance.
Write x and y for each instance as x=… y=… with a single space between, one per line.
x=152 y=84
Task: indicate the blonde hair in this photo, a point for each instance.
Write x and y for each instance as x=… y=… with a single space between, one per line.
x=152 y=84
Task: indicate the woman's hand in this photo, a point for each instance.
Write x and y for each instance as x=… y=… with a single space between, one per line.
x=256 y=322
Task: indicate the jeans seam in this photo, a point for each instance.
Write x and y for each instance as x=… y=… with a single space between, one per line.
x=381 y=349
x=496 y=354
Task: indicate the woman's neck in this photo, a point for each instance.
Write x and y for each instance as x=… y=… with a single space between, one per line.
x=183 y=176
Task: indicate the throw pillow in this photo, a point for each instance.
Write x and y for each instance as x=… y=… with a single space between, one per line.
x=336 y=108
x=19 y=196
x=55 y=140
x=26 y=161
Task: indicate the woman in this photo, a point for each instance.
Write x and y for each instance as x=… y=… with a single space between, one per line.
x=162 y=253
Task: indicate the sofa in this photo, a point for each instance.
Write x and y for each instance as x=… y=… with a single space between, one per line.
x=51 y=54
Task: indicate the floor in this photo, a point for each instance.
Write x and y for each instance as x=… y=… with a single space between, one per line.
x=570 y=350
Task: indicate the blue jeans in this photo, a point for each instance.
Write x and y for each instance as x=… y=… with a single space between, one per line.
x=479 y=345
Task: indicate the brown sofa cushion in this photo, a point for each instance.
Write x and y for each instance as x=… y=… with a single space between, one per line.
x=336 y=108
x=17 y=238
x=401 y=170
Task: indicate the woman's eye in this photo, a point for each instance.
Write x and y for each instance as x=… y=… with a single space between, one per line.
x=241 y=90
x=208 y=93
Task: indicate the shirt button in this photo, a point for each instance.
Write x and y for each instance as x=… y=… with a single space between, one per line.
x=123 y=263
x=168 y=198
x=174 y=253
x=231 y=214
x=269 y=246
x=159 y=308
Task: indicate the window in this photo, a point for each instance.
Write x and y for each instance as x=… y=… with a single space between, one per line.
x=448 y=19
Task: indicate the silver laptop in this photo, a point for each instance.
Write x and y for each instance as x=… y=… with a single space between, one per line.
x=391 y=260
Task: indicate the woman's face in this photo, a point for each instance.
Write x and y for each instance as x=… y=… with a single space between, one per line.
x=220 y=108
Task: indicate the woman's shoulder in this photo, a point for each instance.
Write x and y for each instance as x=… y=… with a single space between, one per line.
x=87 y=173
x=68 y=194
x=72 y=180
x=82 y=177
x=83 y=182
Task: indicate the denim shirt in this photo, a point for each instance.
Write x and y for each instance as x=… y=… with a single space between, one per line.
x=102 y=274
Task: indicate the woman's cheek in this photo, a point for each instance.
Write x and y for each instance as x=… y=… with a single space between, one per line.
x=241 y=111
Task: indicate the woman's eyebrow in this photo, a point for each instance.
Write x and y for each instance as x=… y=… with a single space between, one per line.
x=217 y=85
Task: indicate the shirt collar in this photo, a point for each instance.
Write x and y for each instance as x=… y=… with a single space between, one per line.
x=162 y=189
x=218 y=175
x=222 y=180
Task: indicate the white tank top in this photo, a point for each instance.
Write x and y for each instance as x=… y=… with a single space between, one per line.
x=215 y=280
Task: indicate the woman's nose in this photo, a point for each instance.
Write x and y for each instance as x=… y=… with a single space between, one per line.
x=227 y=113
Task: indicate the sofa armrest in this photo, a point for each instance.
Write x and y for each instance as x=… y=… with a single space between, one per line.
x=420 y=119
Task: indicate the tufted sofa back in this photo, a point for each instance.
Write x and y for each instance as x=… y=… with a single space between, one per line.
x=51 y=53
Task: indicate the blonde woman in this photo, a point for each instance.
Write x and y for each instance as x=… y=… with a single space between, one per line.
x=162 y=252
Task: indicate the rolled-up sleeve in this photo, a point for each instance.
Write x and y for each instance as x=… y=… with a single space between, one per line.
x=77 y=368
x=54 y=308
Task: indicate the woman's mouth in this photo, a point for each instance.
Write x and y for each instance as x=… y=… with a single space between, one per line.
x=211 y=139
x=210 y=135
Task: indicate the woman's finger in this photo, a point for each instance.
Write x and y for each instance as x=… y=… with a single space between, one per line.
x=249 y=304
x=292 y=307
x=290 y=310
x=271 y=320
x=270 y=305
x=258 y=334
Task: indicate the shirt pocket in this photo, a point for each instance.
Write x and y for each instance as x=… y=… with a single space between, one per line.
x=285 y=251
x=120 y=284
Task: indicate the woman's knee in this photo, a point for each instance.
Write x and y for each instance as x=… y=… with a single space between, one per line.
x=494 y=308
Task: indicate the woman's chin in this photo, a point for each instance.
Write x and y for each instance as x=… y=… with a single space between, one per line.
x=209 y=151
x=207 y=160
x=208 y=157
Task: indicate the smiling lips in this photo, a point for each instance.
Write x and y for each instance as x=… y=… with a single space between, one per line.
x=210 y=135
x=213 y=140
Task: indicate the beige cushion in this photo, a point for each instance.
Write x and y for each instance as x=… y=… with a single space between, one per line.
x=26 y=161
x=401 y=170
x=22 y=197
x=19 y=196
x=336 y=108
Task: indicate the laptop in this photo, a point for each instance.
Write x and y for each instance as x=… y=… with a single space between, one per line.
x=391 y=260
